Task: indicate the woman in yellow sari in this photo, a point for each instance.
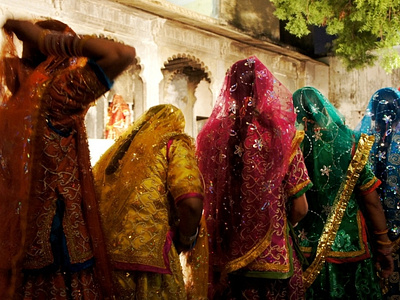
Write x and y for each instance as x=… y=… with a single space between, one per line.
x=150 y=193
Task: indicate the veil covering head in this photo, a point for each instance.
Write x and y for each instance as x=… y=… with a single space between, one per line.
x=127 y=174
x=381 y=120
x=327 y=148
x=382 y=113
x=328 y=143
x=144 y=139
x=243 y=152
x=19 y=127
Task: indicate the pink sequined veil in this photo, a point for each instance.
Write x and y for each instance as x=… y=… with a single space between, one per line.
x=244 y=151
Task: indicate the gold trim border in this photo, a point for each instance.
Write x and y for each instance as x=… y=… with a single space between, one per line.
x=341 y=200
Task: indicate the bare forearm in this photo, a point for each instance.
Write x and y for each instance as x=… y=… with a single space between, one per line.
x=298 y=209
x=190 y=211
x=112 y=57
x=25 y=31
x=375 y=213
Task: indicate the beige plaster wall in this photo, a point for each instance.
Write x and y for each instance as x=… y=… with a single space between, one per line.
x=252 y=16
x=351 y=91
x=160 y=32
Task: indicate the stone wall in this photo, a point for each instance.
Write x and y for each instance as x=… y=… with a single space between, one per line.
x=255 y=17
x=181 y=58
x=350 y=91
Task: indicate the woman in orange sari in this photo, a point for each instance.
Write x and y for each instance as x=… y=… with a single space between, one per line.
x=51 y=239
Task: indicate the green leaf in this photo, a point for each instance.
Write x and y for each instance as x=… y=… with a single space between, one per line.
x=365 y=29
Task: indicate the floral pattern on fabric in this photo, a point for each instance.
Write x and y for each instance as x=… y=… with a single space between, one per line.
x=245 y=151
x=333 y=234
x=381 y=120
x=60 y=171
x=139 y=180
x=51 y=162
x=277 y=256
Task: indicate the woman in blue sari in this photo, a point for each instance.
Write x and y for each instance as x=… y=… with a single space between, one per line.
x=381 y=120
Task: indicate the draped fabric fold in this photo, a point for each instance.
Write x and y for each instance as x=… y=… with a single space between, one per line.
x=264 y=146
x=252 y=167
x=334 y=232
x=18 y=116
x=42 y=165
x=139 y=181
x=381 y=121
x=338 y=209
x=127 y=178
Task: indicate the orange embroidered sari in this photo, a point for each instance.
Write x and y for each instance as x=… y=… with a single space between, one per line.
x=45 y=165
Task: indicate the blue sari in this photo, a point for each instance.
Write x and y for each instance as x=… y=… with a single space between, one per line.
x=381 y=119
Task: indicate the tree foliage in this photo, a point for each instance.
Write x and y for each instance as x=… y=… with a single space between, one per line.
x=366 y=30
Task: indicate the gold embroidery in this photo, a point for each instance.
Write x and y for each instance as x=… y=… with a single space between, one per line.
x=341 y=200
x=147 y=285
x=251 y=255
x=298 y=138
x=308 y=250
x=361 y=244
x=249 y=259
x=369 y=184
x=396 y=245
x=58 y=174
x=134 y=203
x=298 y=187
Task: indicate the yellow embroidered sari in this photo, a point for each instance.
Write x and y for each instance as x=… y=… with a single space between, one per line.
x=139 y=180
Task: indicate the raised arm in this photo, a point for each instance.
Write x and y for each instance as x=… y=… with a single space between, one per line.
x=112 y=57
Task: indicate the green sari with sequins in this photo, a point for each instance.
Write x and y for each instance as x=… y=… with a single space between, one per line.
x=333 y=235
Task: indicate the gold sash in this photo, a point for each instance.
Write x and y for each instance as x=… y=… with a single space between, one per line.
x=334 y=219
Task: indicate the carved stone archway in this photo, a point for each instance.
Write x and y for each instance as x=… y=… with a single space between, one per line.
x=182 y=75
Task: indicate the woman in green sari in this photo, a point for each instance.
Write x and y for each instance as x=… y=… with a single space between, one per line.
x=343 y=205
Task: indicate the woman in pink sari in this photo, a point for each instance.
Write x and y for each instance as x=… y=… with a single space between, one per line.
x=255 y=180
